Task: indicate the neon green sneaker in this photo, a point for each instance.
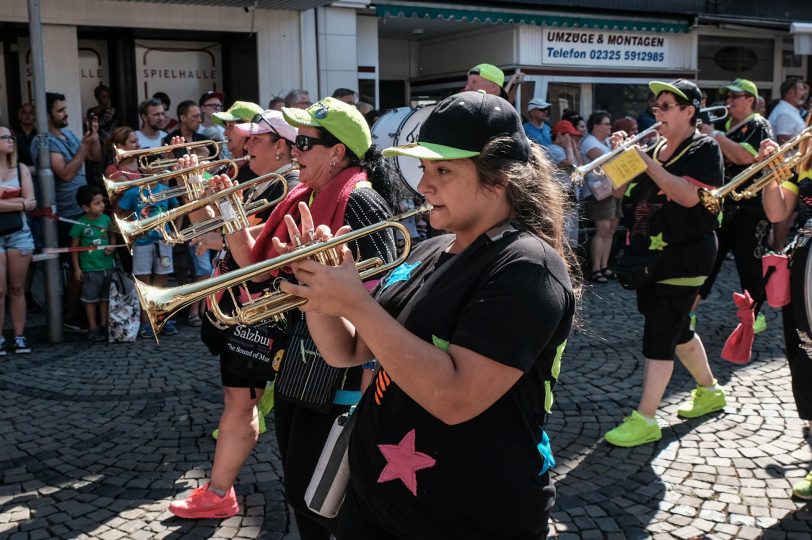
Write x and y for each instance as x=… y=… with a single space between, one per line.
x=703 y=401
x=760 y=324
x=634 y=431
x=803 y=489
x=692 y=320
x=216 y=432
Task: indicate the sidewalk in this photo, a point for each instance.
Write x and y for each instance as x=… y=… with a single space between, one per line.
x=97 y=439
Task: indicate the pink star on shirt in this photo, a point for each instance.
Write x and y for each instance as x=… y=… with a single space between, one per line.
x=403 y=462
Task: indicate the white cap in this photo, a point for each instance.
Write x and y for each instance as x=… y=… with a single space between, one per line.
x=271 y=121
x=537 y=103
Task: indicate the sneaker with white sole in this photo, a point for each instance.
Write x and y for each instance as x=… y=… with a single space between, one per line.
x=203 y=503
x=21 y=345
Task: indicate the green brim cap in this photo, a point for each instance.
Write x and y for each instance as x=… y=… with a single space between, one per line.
x=241 y=111
x=685 y=89
x=740 y=85
x=658 y=86
x=428 y=151
x=490 y=73
x=341 y=120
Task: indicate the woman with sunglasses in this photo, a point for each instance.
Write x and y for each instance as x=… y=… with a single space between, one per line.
x=343 y=181
x=16 y=248
x=449 y=440
x=672 y=235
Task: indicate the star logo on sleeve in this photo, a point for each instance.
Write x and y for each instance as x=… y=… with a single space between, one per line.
x=657 y=243
x=401 y=273
x=402 y=462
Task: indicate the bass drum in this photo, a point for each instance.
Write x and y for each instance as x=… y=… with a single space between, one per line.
x=801 y=286
x=402 y=126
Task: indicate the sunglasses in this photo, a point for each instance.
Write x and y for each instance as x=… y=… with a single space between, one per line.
x=304 y=143
x=731 y=95
x=259 y=119
x=665 y=107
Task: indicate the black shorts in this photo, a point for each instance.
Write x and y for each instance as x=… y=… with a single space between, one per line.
x=231 y=379
x=666 y=310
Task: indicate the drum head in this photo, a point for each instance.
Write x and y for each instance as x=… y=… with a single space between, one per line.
x=385 y=128
x=409 y=167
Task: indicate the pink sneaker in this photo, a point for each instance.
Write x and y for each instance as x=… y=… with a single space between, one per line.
x=202 y=504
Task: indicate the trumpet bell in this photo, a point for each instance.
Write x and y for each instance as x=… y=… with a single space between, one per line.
x=160 y=304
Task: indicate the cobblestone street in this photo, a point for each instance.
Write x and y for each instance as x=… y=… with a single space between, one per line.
x=95 y=440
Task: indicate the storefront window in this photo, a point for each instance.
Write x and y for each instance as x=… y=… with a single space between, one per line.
x=563 y=96
x=620 y=99
x=724 y=58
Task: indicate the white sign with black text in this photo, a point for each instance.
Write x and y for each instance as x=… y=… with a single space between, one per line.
x=606 y=48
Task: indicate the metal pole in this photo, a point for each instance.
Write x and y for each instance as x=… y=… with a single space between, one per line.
x=45 y=176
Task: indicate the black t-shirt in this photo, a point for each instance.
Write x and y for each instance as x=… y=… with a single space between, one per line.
x=24 y=146
x=511 y=301
x=801 y=185
x=749 y=135
x=658 y=224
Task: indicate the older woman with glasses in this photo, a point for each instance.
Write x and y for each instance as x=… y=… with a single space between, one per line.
x=672 y=240
x=343 y=181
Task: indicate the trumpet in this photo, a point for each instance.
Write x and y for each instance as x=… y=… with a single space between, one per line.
x=192 y=187
x=711 y=112
x=161 y=304
x=580 y=173
x=778 y=166
x=233 y=214
x=144 y=155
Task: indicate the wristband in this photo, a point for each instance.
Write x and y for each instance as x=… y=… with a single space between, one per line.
x=370 y=365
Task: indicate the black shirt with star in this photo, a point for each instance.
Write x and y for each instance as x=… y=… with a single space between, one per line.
x=658 y=224
x=413 y=475
x=749 y=135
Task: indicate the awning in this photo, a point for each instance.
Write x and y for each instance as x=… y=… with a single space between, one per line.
x=802 y=34
x=550 y=19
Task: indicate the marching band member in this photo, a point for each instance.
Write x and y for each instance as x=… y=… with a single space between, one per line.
x=453 y=422
x=667 y=223
x=744 y=228
x=780 y=201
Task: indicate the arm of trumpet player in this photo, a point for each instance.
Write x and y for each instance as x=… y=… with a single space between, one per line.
x=676 y=188
x=779 y=198
x=734 y=152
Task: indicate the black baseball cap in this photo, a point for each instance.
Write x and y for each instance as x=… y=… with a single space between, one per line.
x=687 y=90
x=461 y=125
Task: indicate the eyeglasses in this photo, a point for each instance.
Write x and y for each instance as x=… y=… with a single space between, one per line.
x=665 y=107
x=217 y=106
x=304 y=143
x=6 y=137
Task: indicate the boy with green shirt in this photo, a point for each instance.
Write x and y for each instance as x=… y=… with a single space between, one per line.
x=93 y=267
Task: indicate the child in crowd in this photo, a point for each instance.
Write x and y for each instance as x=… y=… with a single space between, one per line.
x=93 y=267
x=152 y=258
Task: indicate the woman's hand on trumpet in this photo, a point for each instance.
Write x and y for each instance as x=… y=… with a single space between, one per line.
x=329 y=290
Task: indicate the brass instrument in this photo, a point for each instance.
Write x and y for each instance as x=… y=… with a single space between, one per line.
x=144 y=155
x=233 y=214
x=712 y=116
x=161 y=304
x=192 y=186
x=580 y=173
x=778 y=167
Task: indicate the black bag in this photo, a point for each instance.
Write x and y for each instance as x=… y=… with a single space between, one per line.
x=10 y=222
x=254 y=352
x=636 y=271
x=304 y=377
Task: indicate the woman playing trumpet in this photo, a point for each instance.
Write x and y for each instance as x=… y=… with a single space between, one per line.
x=780 y=200
x=453 y=422
x=667 y=223
x=343 y=181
